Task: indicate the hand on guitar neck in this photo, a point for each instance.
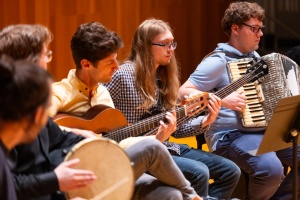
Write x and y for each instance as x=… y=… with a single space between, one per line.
x=165 y=130
x=214 y=107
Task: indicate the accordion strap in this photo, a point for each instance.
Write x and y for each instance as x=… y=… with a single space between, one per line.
x=226 y=53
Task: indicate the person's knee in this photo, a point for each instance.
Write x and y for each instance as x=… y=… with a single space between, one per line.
x=152 y=142
x=152 y=190
x=275 y=173
x=154 y=145
x=197 y=174
x=270 y=172
x=234 y=172
x=173 y=195
x=202 y=175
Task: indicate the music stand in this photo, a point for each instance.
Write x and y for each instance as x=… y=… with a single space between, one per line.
x=283 y=128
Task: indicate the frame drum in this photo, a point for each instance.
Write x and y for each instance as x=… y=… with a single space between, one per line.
x=111 y=165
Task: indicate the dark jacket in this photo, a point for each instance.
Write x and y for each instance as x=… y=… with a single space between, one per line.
x=7 y=189
x=33 y=164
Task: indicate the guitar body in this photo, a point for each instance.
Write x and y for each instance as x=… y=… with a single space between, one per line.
x=99 y=119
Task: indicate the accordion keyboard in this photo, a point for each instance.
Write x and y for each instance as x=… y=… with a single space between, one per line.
x=253 y=114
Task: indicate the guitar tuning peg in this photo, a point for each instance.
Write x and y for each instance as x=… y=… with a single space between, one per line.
x=193 y=94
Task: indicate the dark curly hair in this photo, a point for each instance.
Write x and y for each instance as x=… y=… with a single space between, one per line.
x=240 y=12
x=92 y=41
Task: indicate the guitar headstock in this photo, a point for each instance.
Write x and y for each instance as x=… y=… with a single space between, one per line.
x=195 y=103
x=257 y=68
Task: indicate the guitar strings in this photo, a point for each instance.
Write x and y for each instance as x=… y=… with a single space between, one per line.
x=143 y=126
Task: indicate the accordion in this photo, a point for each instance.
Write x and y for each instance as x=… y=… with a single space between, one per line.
x=281 y=81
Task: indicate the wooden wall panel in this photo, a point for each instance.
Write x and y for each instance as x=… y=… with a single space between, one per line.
x=196 y=24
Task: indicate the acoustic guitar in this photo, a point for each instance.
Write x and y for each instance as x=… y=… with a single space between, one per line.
x=113 y=124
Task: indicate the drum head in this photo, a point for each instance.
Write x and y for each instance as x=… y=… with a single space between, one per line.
x=111 y=165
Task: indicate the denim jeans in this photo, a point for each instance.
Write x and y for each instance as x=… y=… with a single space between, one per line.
x=266 y=179
x=199 y=166
x=167 y=182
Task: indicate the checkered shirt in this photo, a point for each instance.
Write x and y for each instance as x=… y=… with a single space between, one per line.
x=127 y=99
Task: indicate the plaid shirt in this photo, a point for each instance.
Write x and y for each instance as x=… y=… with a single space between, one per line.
x=127 y=99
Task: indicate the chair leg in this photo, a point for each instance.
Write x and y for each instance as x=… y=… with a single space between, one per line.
x=246 y=179
x=285 y=169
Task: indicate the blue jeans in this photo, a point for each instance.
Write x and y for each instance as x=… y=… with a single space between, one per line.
x=266 y=179
x=199 y=166
x=167 y=182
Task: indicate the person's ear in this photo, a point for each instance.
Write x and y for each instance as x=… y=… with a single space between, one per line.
x=85 y=63
x=41 y=116
x=235 y=29
x=38 y=114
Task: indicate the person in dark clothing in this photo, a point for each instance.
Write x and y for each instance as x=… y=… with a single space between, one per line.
x=294 y=54
x=25 y=91
x=29 y=162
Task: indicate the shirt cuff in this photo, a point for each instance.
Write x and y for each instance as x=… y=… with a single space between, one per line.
x=196 y=124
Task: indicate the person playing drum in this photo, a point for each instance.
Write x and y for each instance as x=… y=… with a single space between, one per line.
x=38 y=168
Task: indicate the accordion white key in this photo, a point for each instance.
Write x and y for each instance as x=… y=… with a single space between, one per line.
x=281 y=81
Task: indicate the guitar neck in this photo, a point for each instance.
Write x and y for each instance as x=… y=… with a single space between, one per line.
x=138 y=128
x=225 y=91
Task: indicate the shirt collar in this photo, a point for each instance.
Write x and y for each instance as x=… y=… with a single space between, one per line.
x=229 y=48
x=81 y=86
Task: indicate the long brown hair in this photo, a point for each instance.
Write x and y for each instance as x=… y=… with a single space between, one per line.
x=145 y=72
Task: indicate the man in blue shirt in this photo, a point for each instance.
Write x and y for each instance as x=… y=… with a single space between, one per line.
x=227 y=137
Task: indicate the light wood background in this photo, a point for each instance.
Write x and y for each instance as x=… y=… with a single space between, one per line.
x=196 y=24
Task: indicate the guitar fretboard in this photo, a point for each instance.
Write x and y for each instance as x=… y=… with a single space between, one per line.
x=225 y=91
x=141 y=127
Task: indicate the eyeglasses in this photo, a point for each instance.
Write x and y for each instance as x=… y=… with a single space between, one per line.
x=167 y=46
x=49 y=56
x=255 y=29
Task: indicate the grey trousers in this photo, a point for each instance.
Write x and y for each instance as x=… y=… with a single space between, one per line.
x=167 y=181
